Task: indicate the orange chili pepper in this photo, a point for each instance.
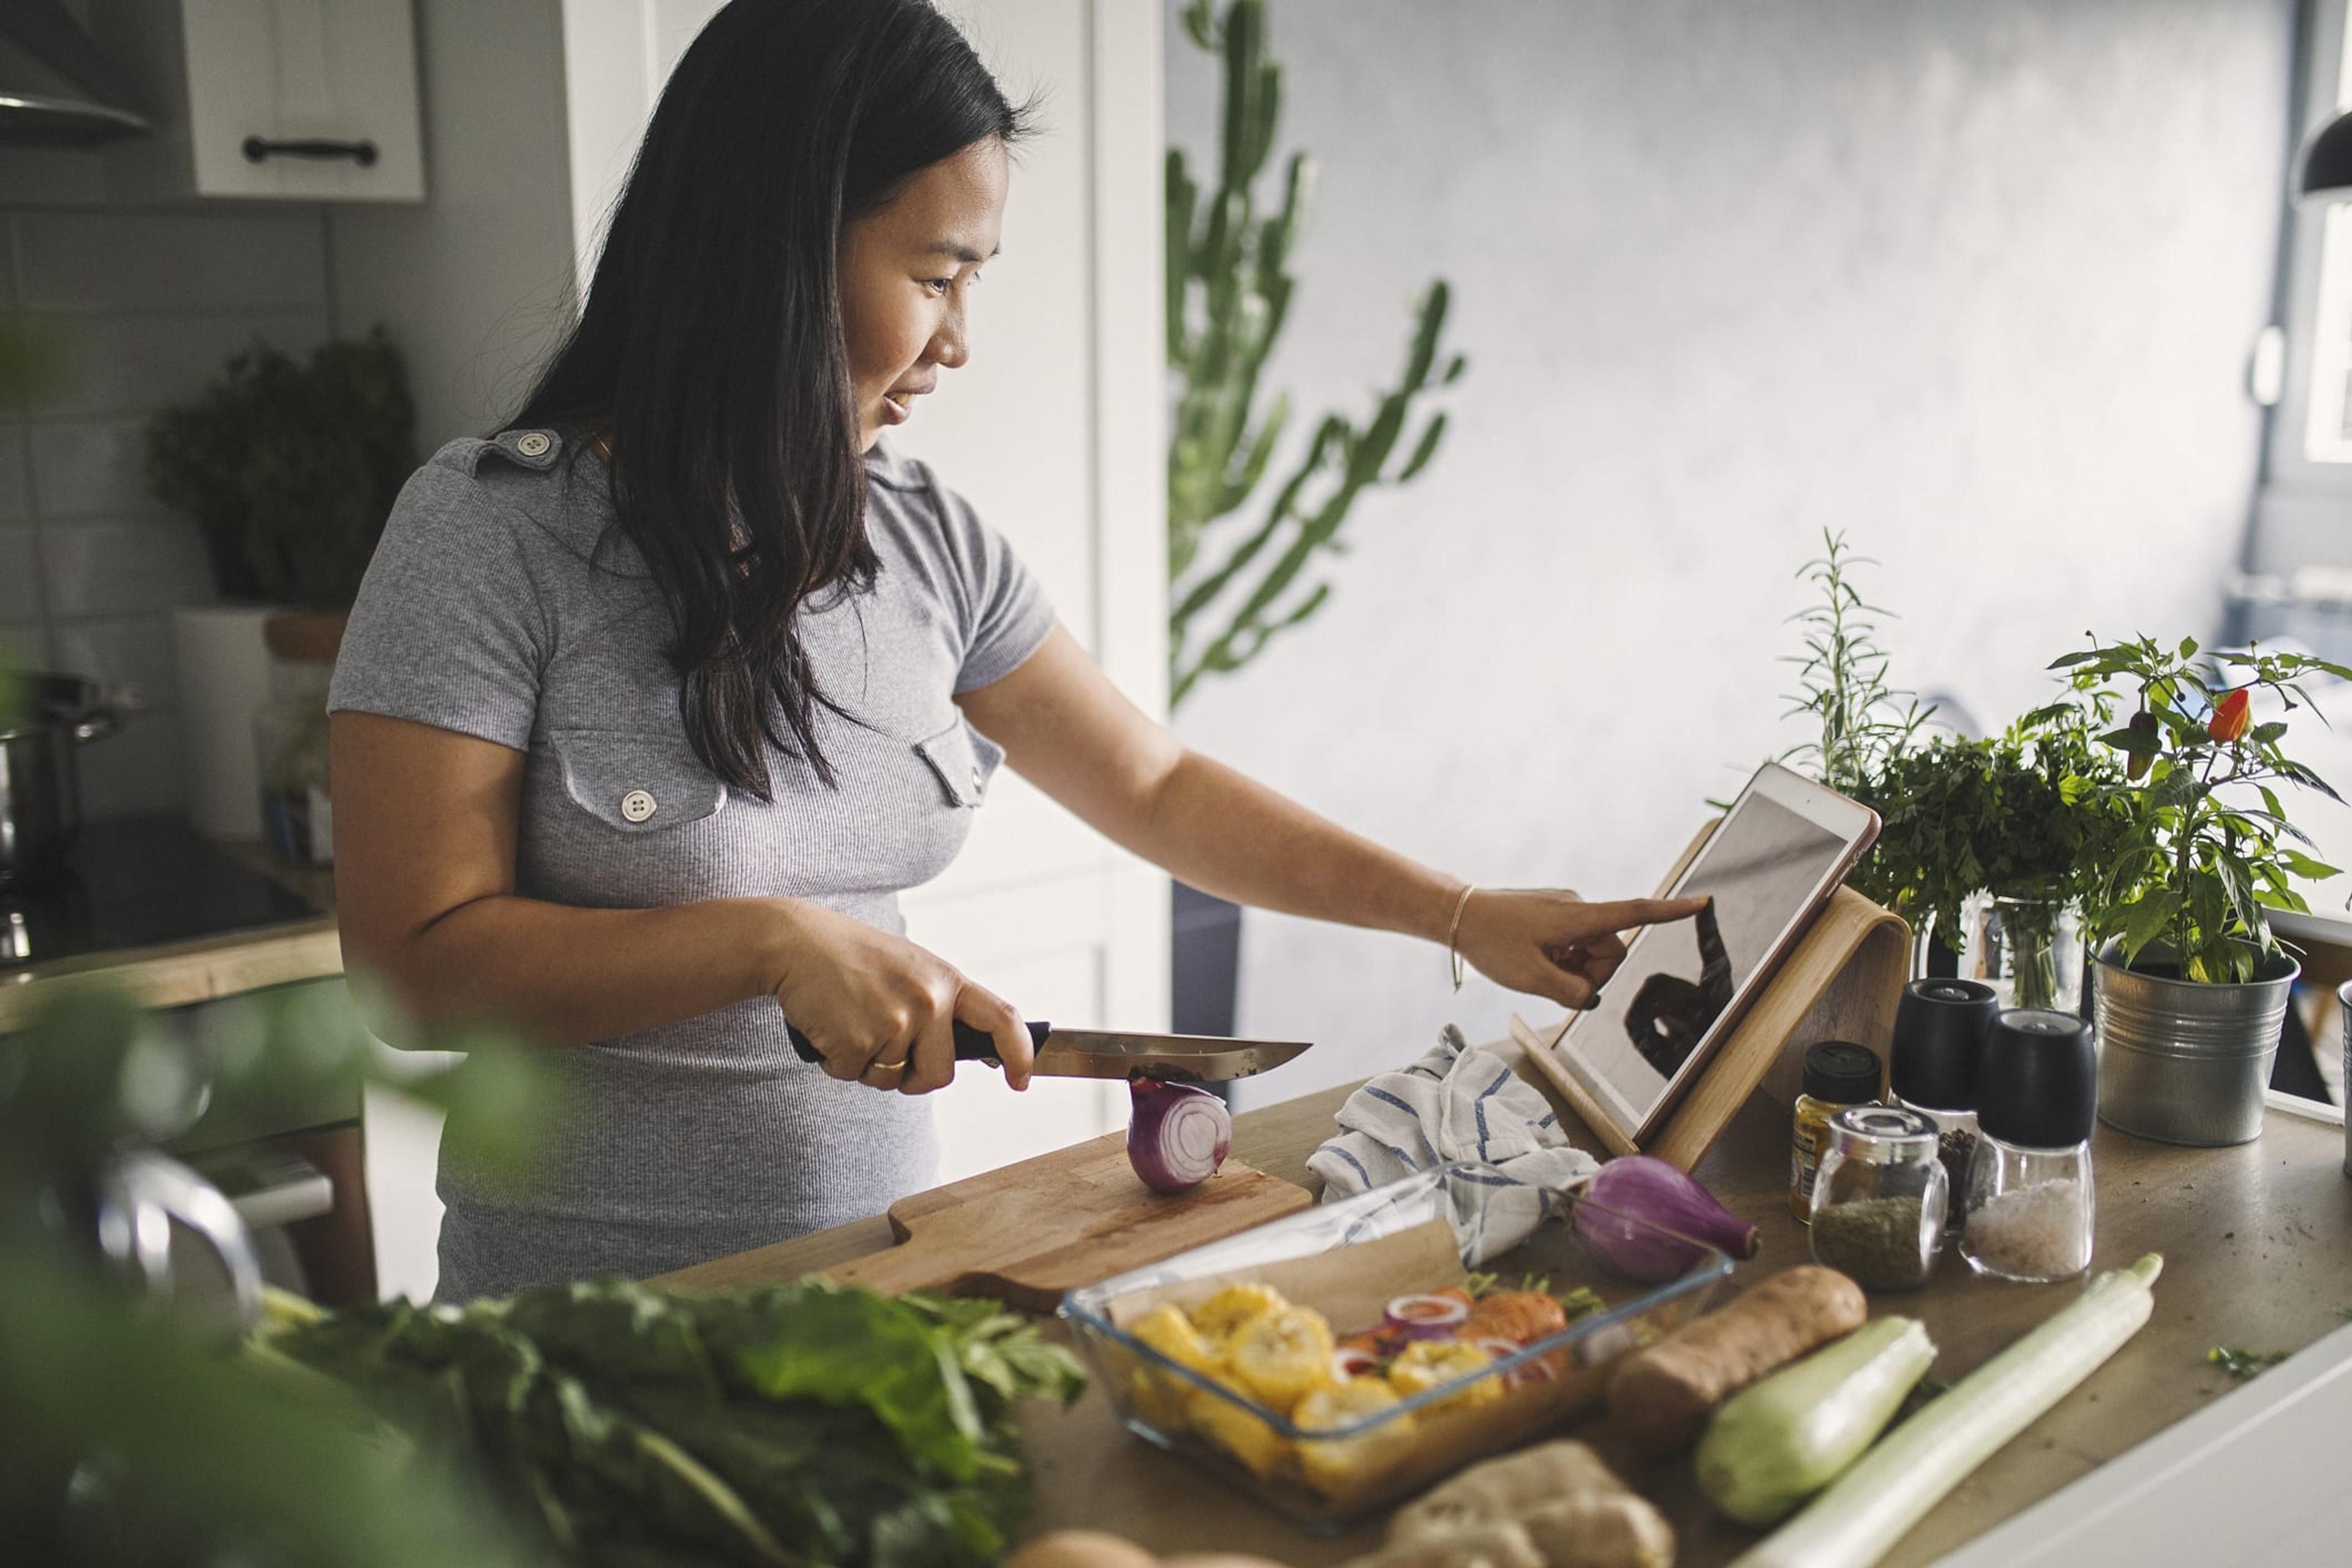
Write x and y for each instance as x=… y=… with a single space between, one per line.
x=2230 y=716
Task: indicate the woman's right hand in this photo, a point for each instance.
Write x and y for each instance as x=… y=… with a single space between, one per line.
x=882 y=1011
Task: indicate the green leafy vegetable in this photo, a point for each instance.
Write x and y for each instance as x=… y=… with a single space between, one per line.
x=792 y=1423
x=2243 y=1364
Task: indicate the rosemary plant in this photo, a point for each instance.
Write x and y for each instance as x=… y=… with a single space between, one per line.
x=1841 y=679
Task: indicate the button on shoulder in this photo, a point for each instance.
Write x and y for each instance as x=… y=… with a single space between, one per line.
x=531 y=448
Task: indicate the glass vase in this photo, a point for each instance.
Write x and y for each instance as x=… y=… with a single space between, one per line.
x=2029 y=949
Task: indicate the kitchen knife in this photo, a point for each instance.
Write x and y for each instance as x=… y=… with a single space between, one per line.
x=1096 y=1053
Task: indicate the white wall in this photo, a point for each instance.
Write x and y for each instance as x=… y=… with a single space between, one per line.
x=1972 y=279
x=475 y=281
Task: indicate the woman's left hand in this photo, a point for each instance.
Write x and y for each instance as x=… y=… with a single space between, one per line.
x=1550 y=942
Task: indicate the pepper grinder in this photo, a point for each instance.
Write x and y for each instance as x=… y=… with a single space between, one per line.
x=1940 y=1028
x=2030 y=1207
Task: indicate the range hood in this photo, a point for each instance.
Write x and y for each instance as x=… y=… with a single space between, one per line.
x=57 y=87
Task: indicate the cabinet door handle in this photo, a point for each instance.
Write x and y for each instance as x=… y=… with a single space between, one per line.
x=257 y=148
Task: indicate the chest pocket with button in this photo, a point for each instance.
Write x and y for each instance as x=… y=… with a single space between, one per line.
x=963 y=759
x=636 y=783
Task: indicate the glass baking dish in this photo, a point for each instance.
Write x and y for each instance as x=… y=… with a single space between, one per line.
x=1347 y=1260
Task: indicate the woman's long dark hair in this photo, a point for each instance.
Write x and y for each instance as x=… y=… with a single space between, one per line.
x=710 y=346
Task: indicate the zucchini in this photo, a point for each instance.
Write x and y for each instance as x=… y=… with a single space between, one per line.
x=1866 y=1511
x=1772 y=1446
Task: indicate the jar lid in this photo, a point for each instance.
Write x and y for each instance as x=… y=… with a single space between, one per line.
x=2039 y=1084
x=1880 y=1134
x=1940 y=1033
x=1842 y=1072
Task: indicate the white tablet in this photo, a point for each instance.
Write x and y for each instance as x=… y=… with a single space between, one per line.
x=1769 y=865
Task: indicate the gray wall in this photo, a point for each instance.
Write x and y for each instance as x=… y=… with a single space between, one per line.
x=1974 y=280
x=147 y=303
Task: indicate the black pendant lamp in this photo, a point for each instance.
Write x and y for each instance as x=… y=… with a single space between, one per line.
x=2328 y=162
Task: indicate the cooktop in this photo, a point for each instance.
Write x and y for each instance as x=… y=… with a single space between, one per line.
x=139 y=882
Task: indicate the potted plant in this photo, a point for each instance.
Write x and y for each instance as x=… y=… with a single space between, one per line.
x=289 y=469
x=1968 y=827
x=2190 y=983
x=1994 y=844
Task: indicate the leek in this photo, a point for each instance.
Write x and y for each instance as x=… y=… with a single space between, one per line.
x=1866 y=1511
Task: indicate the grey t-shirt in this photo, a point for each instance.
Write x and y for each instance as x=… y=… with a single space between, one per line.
x=503 y=604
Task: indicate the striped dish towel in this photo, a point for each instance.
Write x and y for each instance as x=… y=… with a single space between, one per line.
x=1458 y=1102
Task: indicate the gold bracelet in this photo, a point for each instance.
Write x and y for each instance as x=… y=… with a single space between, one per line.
x=1454 y=934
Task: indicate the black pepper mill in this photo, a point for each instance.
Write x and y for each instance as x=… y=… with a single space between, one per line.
x=1940 y=1028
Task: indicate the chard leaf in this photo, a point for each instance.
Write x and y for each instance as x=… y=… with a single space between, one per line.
x=852 y=1347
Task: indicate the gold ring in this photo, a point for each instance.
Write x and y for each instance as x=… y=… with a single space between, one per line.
x=898 y=1066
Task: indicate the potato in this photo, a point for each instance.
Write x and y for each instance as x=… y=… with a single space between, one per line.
x=1099 y=1549
x=1503 y=1489
x=1081 y=1549
x=1661 y=1397
x=1601 y=1530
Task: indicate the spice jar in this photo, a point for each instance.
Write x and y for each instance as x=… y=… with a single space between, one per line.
x=2030 y=1203
x=1940 y=1028
x=1880 y=1198
x=1838 y=1073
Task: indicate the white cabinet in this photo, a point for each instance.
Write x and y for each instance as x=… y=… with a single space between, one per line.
x=296 y=100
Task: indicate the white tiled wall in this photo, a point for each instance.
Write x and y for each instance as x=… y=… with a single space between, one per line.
x=148 y=306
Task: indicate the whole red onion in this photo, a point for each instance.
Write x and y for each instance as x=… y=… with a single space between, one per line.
x=1636 y=1188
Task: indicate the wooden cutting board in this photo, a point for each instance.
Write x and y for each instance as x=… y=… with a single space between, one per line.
x=1026 y=1233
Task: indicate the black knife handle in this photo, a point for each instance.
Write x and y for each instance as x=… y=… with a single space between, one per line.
x=971 y=1045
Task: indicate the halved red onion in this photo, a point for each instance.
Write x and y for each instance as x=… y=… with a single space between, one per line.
x=1542 y=1369
x=1427 y=1317
x=1178 y=1135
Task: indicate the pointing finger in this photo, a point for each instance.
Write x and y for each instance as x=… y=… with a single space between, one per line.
x=1626 y=913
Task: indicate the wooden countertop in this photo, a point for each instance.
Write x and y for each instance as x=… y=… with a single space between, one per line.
x=178 y=975
x=2257 y=1242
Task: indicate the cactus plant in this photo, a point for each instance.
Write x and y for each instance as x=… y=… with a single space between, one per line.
x=1229 y=291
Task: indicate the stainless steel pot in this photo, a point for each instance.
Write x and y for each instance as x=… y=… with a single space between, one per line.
x=2185 y=1063
x=40 y=786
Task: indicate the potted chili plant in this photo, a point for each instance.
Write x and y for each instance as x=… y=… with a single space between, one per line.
x=2192 y=984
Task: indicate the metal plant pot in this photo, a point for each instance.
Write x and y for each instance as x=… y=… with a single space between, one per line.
x=2185 y=1063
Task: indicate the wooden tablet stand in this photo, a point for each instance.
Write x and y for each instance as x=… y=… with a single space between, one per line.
x=1840 y=982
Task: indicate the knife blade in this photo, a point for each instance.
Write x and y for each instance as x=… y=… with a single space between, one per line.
x=1100 y=1053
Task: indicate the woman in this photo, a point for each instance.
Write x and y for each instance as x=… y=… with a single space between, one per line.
x=652 y=704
